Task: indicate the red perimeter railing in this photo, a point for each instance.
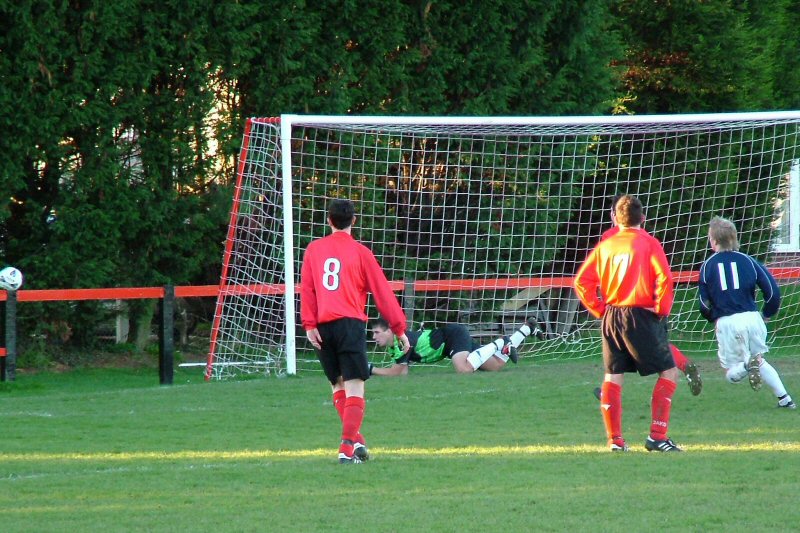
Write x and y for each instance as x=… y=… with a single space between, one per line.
x=165 y=294
x=168 y=294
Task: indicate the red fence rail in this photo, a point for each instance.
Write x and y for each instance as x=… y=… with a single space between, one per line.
x=167 y=295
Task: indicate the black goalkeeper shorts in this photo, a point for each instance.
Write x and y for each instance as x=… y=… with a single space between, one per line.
x=456 y=339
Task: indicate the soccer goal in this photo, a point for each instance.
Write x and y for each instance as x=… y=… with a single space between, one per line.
x=484 y=220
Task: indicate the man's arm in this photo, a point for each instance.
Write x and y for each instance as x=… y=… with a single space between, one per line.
x=586 y=283
x=385 y=298
x=665 y=290
x=308 y=296
x=394 y=370
x=704 y=300
x=769 y=288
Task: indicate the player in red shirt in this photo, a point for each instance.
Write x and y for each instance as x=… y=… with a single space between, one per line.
x=631 y=273
x=683 y=363
x=336 y=275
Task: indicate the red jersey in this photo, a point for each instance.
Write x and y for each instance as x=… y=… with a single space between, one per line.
x=630 y=268
x=336 y=275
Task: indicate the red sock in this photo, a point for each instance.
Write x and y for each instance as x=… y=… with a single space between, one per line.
x=680 y=359
x=660 y=407
x=338 y=402
x=351 y=423
x=611 y=409
x=339 y=398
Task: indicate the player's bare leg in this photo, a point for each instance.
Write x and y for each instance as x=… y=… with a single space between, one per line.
x=463 y=365
x=477 y=358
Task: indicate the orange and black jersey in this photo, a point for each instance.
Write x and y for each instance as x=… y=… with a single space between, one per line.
x=629 y=269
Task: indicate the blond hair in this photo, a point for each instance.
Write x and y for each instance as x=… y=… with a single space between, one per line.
x=723 y=232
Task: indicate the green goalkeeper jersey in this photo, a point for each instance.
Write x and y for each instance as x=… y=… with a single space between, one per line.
x=427 y=346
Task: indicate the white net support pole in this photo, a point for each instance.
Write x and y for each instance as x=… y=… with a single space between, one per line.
x=288 y=235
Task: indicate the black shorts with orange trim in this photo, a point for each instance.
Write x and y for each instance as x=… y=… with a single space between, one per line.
x=635 y=340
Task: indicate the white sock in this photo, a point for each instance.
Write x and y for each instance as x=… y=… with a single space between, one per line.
x=482 y=354
x=520 y=335
x=771 y=378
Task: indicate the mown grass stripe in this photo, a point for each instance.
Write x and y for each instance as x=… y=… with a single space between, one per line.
x=385 y=452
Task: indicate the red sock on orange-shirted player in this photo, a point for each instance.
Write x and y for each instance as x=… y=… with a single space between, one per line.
x=680 y=360
x=660 y=408
x=611 y=409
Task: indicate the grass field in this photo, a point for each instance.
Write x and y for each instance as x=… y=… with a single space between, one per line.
x=521 y=450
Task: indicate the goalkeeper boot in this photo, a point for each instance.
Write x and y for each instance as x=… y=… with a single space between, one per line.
x=509 y=350
x=345 y=460
x=754 y=372
x=535 y=329
x=361 y=452
x=693 y=378
x=666 y=445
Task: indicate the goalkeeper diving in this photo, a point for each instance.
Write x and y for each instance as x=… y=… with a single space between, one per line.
x=451 y=341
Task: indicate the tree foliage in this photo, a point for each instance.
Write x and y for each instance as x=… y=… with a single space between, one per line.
x=122 y=121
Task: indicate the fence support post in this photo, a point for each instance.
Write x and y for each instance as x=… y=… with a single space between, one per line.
x=10 y=359
x=409 y=301
x=166 y=336
x=3 y=348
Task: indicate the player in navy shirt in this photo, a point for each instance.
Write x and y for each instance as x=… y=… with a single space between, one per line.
x=727 y=297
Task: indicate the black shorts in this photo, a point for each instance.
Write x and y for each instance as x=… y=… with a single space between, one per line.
x=456 y=339
x=344 y=349
x=635 y=340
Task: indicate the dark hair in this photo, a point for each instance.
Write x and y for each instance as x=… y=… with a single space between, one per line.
x=380 y=323
x=341 y=213
x=628 y=211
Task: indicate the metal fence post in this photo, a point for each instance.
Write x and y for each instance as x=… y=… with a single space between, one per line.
x=166 y=337
x=3 y=348
x=11 y=336
x=409 y=301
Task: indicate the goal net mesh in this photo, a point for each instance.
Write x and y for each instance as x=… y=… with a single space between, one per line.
x=486 y=223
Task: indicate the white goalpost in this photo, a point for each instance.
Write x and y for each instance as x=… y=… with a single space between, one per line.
x=484 y=220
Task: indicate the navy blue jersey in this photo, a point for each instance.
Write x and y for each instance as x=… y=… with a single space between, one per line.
x=728 y=282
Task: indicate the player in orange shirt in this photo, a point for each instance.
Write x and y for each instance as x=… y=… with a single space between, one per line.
x=336 y=274
x=626 y=281
x=684 y=364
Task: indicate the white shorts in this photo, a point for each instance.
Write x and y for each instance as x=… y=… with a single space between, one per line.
x=739 y=337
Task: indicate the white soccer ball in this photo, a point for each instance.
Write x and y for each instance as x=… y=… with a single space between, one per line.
x=10 y=279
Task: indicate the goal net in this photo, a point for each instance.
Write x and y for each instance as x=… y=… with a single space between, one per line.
x=484 y=221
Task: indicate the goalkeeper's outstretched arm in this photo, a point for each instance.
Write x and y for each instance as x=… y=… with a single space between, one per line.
x=394 y=370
